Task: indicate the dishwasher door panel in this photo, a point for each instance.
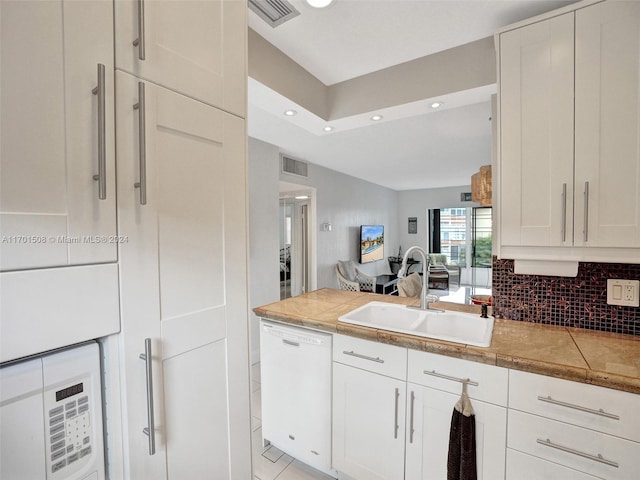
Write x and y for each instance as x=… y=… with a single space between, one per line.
x=296 y=392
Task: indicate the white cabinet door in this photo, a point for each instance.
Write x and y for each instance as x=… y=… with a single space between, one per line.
x=197 y=47
x=607 y=131
x=52 y=130
x=183 y=276
x=368 y=424
x=429 y=422
x=536 y=138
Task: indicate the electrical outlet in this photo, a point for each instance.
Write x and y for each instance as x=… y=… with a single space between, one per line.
x=623 y=292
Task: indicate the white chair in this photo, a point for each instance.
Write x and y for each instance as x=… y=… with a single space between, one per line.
x=352 y=279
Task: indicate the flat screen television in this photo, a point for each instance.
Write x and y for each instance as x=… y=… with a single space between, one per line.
x=371 y=243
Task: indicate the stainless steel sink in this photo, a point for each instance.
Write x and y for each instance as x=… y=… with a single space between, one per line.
x=465 y=328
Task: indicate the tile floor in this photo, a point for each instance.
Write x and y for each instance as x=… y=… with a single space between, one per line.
x=270 y=463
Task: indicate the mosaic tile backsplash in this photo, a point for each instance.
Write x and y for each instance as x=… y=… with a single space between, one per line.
x=569 y=302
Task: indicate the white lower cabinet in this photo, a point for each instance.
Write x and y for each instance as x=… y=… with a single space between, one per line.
x=433 y=390
x=368 y=424
x=560 y=429
x=385 y=428
x=521 y=466
x=429 y=422
x=587 y=451
x=392 y=411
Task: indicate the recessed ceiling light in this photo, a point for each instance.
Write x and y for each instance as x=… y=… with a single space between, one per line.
x=437 y=104
x=302 y=197
x=375 y=118
x=319 y=3
x=328 y=128
x=290 y=113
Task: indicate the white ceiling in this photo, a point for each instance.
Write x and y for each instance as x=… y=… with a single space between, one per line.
x=411 y=148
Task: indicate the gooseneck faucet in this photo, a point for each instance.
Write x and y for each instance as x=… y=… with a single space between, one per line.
x=425 y=298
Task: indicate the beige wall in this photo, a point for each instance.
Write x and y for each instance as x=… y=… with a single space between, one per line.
x=458 y=69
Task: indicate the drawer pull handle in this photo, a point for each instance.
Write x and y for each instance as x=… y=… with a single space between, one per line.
x=600 y=412
x=364 y=357
x=596 y=458
x=433 y=373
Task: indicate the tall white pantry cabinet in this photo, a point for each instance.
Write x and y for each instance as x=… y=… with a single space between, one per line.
x=167 y=290
x=181 y=150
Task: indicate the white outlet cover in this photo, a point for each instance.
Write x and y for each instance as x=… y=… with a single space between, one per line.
x=623 y=292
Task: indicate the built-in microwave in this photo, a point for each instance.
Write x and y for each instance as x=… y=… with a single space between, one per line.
x=51 y=416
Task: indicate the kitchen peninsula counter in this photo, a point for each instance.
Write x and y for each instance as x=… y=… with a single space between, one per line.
x=598 y=358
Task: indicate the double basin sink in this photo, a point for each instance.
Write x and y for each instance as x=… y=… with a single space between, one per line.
x=465 y=328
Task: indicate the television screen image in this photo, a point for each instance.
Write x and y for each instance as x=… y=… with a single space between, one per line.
x=371 y=243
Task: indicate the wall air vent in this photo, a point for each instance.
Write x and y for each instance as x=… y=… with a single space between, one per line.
x=293 y=166
x=274 y=12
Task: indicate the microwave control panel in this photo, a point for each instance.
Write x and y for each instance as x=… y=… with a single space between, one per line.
x=69 y=426
x=73 y=413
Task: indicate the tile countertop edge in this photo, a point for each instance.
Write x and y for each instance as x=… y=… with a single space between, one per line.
x=585 y=374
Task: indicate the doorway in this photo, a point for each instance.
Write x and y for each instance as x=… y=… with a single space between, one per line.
x=463 y=234
x=297 y=242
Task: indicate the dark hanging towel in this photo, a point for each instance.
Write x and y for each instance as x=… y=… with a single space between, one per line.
x=461 y=463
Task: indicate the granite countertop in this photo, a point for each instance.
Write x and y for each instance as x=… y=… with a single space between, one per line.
x=605 y=359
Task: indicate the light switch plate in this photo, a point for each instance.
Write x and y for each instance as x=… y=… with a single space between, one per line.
x=623 y=292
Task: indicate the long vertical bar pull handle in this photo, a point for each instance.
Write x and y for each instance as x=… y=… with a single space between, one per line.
x=395 y=416
x=411 y=430
x=150 y=430
x=564 y=212
x=100 y=91
x=142 y=143
x=586 y=212
x=139 y=42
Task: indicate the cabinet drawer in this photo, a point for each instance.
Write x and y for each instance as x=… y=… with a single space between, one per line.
x=442 y=372
x=373 y=356
x=591 y=452
x=521 y=466
x=597 y=408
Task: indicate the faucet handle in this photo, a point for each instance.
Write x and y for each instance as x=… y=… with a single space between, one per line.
x=484 y=311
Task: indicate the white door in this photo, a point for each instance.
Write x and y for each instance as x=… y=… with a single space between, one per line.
x=183 y=277
x=430 y=411
x=368 y=424
x=536 y=140
x=55 y=134
x=608 y=125
x=196 y=47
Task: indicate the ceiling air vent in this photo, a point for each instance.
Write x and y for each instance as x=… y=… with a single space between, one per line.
x=274 y=12
x=293 y=166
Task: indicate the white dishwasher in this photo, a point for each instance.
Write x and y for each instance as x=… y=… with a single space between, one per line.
x=295 y=366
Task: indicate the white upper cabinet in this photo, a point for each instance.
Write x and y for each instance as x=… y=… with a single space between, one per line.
x=569 y=136
x=536 y=112
x=607 y=135
x=57 y=192
x=197 y=48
